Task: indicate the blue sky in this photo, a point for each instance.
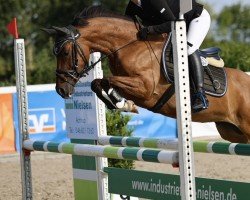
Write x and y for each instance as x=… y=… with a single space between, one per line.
x=217 y=5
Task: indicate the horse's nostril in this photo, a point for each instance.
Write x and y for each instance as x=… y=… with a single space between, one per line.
x=60 y=91
x=65 y=92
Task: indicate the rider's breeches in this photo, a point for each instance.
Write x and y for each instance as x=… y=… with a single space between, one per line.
x=198 y=30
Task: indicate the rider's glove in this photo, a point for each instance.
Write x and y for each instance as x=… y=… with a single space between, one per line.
x=144 y=32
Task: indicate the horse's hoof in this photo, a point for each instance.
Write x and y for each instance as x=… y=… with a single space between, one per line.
x=131 y=107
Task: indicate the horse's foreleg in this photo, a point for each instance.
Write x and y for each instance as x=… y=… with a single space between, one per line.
x=97 y=88
x=111 y=97
x=133 y=86
x=120 y=102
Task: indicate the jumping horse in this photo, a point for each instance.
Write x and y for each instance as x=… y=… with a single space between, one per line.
x=136 y=70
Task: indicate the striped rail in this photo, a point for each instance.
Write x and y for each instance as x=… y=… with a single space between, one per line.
x=222 y=148
x=128 y=153
x=199 y=146
x=138 y=142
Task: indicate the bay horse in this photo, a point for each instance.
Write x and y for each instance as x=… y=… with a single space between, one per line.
x=136 y=71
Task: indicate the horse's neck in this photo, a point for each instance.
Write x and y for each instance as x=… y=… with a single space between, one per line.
x=108 y=34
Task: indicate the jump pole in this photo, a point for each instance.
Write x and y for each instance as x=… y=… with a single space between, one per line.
x=183 y=105
x=125 y=153
x=21 y=83
x=226 y=148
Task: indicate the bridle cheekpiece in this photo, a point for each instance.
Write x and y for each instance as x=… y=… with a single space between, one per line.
x=70 y=35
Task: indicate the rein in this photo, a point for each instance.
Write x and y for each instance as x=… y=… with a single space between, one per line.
x=138 y=21
x=72 y=34
x=89 y=67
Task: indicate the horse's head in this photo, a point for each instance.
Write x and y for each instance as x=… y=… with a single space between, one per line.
x=72 y=59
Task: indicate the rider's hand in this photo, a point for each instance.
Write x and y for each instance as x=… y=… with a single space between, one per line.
x=143 y=33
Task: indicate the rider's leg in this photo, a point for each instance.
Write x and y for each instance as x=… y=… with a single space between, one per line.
x=197 y=32
x=199 y=100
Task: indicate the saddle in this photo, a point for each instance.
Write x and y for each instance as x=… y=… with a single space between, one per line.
x=215 y=79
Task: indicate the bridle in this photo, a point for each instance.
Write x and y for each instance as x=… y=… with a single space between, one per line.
x=71 y=34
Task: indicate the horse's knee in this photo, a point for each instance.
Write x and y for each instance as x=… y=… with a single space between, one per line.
x=105 y=84
x=96 y=86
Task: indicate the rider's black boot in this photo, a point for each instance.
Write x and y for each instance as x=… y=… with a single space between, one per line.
x=199 y=99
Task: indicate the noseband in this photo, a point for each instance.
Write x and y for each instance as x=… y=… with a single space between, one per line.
x=71 y=36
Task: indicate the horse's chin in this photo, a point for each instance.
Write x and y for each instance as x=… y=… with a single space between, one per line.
x=65 y=92
x=66 y=97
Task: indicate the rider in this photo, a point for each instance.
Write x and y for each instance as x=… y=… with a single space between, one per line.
x=158 y=14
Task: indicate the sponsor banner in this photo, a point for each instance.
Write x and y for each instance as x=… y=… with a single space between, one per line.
x=46 y=117
x=164 y=186
x=152 y=125
x=82 y=119
x=7 y=136
x=42 y=120
x=204 y=130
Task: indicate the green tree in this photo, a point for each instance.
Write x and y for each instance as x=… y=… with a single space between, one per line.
x=115 y=5
x=117 y=126
x=235 y=54
x=234 y=23
x=231 y=34
x=33 y=15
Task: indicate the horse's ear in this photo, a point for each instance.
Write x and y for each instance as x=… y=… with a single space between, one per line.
x=62 y=31
x=50 y=31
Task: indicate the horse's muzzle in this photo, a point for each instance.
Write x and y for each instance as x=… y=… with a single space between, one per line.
x=65 y=92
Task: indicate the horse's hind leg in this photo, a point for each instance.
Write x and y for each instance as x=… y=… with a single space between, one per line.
x=231 y=132
x=245 y=127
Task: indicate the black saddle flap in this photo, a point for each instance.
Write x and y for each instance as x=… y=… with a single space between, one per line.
x=215 y=79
